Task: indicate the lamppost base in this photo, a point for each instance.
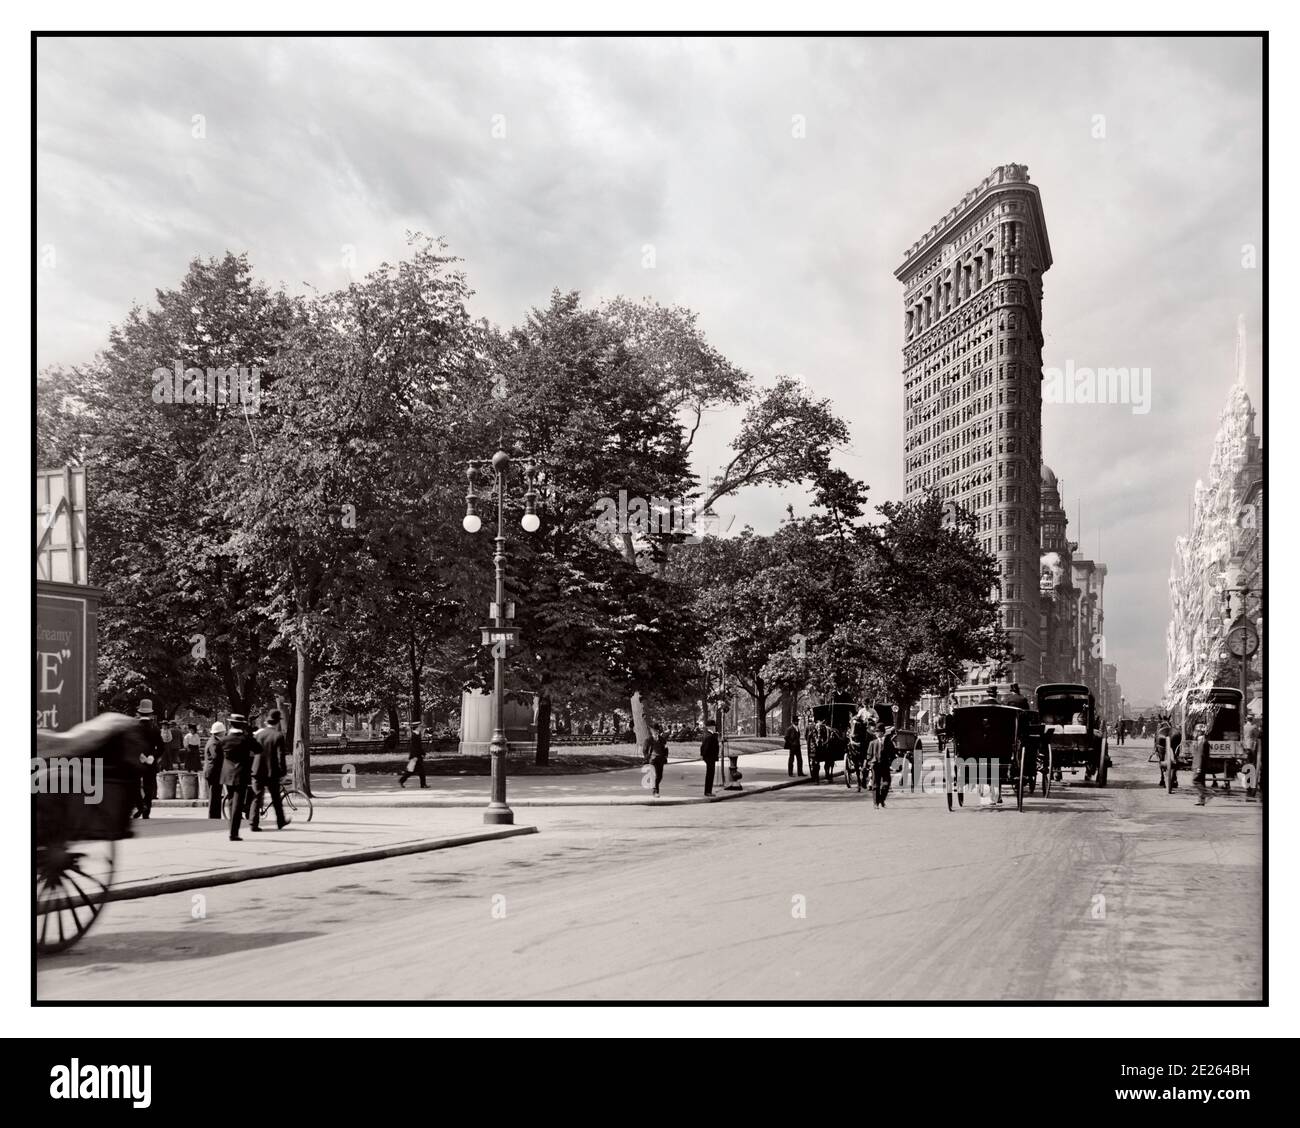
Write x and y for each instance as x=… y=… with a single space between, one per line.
x=498 y=814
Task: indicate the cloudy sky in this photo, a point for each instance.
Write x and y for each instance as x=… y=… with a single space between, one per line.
x=557 y=163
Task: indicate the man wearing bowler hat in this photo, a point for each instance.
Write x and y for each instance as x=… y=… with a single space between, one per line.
x=268 y=769
x=150 y=758
x=237 y=751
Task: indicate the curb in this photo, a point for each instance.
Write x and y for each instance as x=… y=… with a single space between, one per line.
x=154 y=887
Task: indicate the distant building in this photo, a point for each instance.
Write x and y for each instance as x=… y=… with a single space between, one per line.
x=1090 y=590
x=1058 y=599
x=1108 y=702
x=1227 y=529
x=972 y=372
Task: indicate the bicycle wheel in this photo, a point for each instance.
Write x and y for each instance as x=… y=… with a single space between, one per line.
x=297 y=804
x=226 y=809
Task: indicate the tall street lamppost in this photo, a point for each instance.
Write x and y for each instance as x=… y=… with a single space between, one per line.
x=485 y=479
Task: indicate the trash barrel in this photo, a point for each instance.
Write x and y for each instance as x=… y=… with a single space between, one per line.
x=167 y=785
x=188 y=785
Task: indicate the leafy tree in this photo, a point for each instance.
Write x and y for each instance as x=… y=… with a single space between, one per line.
x=584 y=400
x=177 y=619
x=340 y=500
x=938 y=606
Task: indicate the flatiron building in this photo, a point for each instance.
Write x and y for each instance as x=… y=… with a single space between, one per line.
x=972 y=373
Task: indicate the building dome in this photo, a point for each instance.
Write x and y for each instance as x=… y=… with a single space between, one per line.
x=1047 y=476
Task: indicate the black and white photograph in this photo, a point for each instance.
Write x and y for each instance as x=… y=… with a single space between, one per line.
x=665 y=517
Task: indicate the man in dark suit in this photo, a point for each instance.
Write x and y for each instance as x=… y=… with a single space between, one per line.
x=415 y=762
x=1014 y=698
x=212 y=768
x=794 y=749
x=880 y=756
x=151 y=758
x=709 y=754
x=268 y=770
x=237 y=751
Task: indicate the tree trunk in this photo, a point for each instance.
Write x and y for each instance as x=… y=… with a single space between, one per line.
x=639 y=726
x=417 y=710
x=302 y=724
x=760 y=708
x=787 y=710
x=394 y=721
x=543 y=729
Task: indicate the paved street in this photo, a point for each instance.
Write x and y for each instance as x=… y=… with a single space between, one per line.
x=802 y=893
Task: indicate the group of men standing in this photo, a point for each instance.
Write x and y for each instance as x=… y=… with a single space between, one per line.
x=245 y=763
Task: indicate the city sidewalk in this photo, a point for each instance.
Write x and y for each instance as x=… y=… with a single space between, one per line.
x=177 y=850
x=181 y=849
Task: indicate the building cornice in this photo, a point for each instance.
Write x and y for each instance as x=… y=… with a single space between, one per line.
x=1003 y=180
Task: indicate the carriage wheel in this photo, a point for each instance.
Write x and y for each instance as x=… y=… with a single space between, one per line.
x=1104 y=765
x=72 y=883
x=948 y=769
x=1047 y=772
x=1020 y=781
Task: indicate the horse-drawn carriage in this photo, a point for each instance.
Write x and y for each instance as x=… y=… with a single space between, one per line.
x=1221 y=710
x=85 y=785
x=1071 y=734
x=988 y=746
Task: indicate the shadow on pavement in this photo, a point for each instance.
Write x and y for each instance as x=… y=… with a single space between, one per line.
x=159 y=946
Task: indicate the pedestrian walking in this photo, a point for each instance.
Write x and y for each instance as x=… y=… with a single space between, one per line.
x=415 y=761
x=212 y=761
x=880 y=756
x=151 y=758
x=657 y=746
x=793 y=747
x=237 y=751
x=709 y=754
x=1200 y=758
x=268 y=771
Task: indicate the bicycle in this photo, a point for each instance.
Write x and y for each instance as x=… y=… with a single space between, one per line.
x=297 y=804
